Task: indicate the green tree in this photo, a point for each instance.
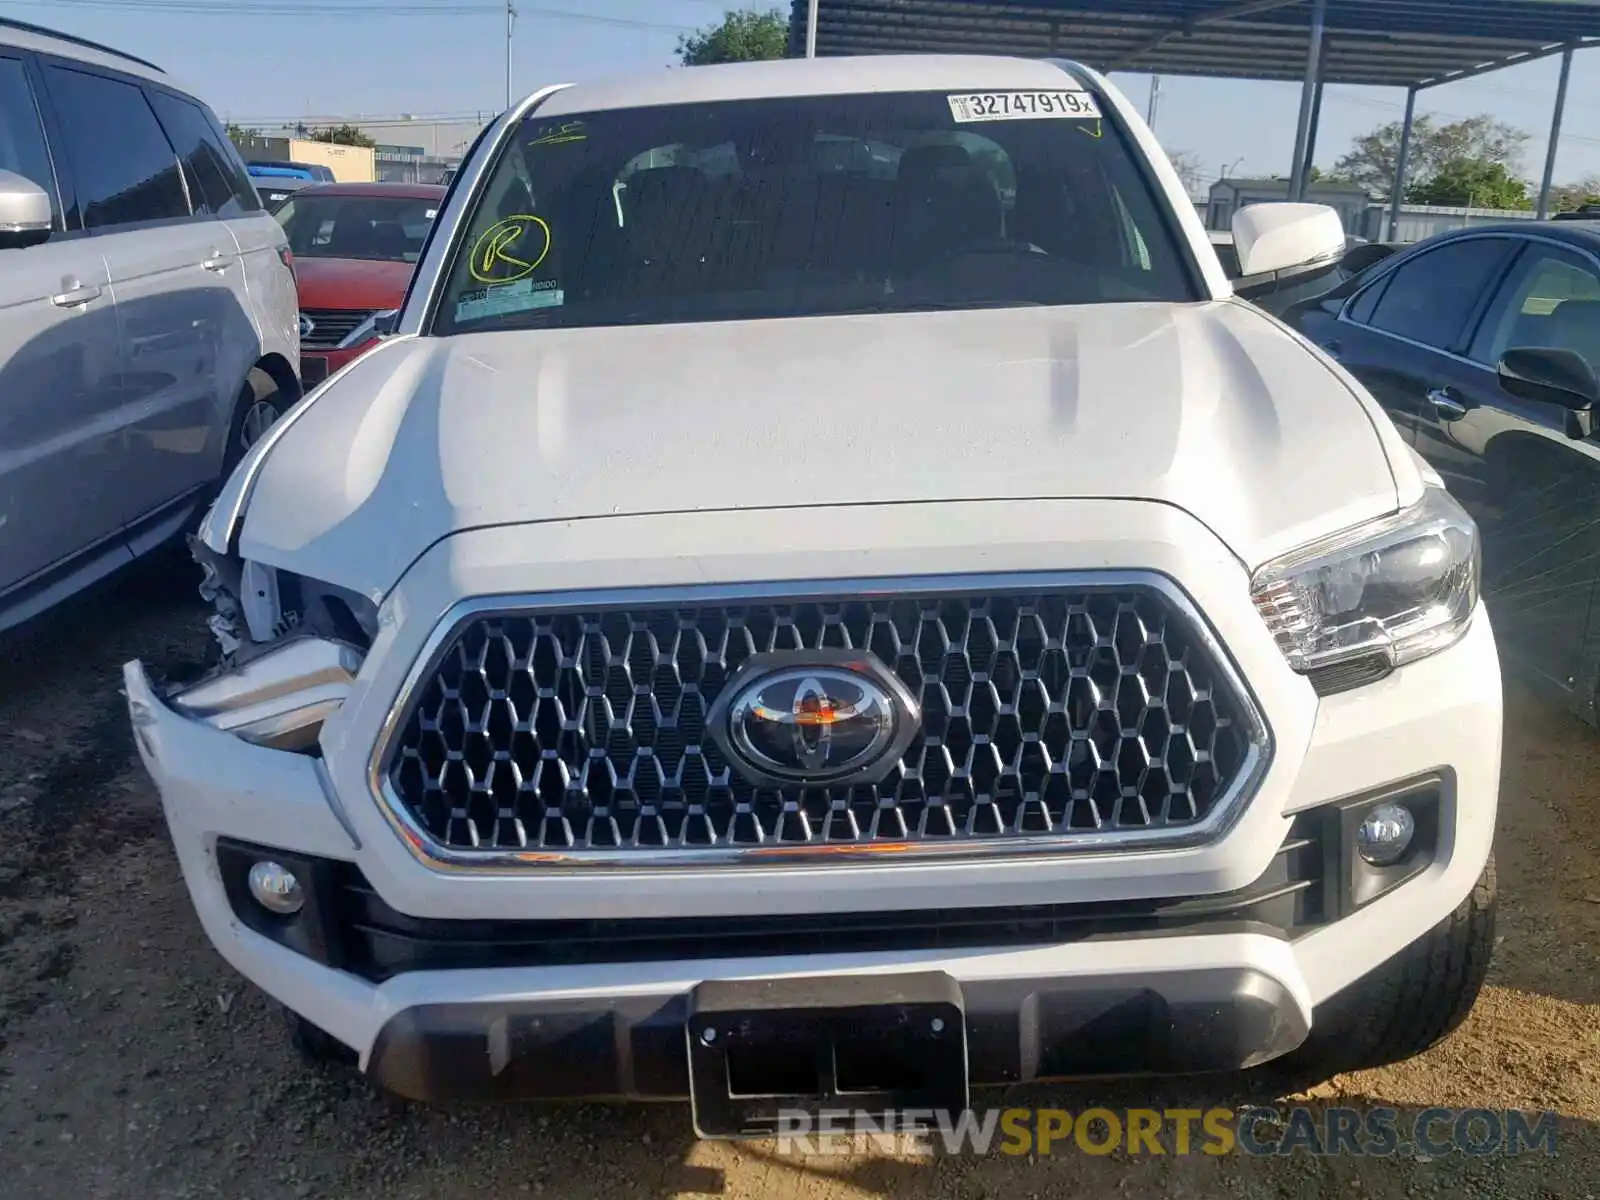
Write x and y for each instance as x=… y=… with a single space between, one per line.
x=1371 y=159
x=747 y=35
x=1565 y=197
x=1472 y=183
x=342 y=135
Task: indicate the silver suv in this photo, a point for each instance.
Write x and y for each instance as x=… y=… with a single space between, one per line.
x=147 y=313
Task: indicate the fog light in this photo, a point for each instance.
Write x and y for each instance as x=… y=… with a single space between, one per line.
x=276 y=889
x=1385 y=835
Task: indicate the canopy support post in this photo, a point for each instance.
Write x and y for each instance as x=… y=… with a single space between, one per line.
x=1398 y=191
x=1555 y=135
x=1309 y=94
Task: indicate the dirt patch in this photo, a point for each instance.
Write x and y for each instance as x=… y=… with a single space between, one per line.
x=134 y=1063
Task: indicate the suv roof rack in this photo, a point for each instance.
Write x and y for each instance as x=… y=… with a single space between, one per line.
x=42 y=31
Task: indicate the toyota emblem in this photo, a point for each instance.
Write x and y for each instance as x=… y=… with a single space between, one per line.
x=814 y=717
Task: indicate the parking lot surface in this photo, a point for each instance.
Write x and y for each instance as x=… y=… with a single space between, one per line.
x=134 y=1063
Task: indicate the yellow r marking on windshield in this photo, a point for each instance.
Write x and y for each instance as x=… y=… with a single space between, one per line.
x=491 y=260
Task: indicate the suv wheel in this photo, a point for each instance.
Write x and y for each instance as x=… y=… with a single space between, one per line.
x=1412 y=1002
x=261 y=402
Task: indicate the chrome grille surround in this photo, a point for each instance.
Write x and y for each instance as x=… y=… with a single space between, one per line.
x=1102 y=730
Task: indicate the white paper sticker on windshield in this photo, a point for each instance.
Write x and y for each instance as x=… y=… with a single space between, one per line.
x=1022 y=106
x=520 y=296
x=430 y=214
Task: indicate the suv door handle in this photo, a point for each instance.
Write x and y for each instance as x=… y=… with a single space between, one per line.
x=217 y=262
x=1332 y=349
x=1446 y=405
x=76 y=297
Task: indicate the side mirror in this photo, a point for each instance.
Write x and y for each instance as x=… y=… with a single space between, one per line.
x=25 y=215
x=1274 y=241
x=1553 y=376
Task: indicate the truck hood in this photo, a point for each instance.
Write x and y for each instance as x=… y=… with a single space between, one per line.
x=1213 y=408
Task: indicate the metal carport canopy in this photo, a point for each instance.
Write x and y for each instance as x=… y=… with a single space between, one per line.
x=1385 y=43
x=1413 y=44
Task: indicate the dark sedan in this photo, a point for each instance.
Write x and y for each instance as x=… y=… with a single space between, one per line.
x=1483 y=345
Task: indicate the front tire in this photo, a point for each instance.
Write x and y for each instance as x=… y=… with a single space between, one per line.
x=316 y=1046
x=1410 y=1003
x=261 y=403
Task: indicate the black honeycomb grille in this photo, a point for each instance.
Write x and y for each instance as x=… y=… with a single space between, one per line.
x=1059 y=712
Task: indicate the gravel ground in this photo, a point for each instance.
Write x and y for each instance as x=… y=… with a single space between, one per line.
x=134 y=1063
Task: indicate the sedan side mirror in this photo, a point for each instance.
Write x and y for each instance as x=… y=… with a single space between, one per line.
x=25 y=211
x=1553 y=376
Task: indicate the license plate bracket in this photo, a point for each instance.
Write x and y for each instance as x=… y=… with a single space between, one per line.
x=882 y=1045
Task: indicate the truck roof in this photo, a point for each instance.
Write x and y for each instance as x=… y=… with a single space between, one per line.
x=792 y=77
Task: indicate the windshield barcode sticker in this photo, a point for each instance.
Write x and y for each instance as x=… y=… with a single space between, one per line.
x=520 y=296
x=1022 y=106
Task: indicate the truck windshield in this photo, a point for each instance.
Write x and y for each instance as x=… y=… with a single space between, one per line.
x=807 y=206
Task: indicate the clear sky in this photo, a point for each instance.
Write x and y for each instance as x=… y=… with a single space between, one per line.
x=263 y=61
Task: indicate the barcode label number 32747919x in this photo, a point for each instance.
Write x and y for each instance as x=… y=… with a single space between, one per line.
x=1021 y=106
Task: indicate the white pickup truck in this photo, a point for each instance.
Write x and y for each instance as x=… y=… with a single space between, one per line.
x=807 y=631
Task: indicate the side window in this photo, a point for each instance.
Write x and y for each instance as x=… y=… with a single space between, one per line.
x=1430 y=298
x=1550 y=299
x=22 y=146
x=1361 y=310
x=124 y=167
x=205 y=163
x=244 y=189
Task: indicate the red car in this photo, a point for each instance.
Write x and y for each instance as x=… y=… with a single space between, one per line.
x=355 y=246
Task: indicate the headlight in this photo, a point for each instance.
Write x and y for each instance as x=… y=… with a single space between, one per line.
x=279 y=696
x=1389 y=592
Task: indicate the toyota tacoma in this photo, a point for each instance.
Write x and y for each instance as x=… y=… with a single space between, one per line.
x=825 y=599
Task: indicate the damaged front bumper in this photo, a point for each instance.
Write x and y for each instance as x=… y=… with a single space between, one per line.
x=212 y=781
x=461 y=1017
x=1206 y=1002
x=275 y=695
